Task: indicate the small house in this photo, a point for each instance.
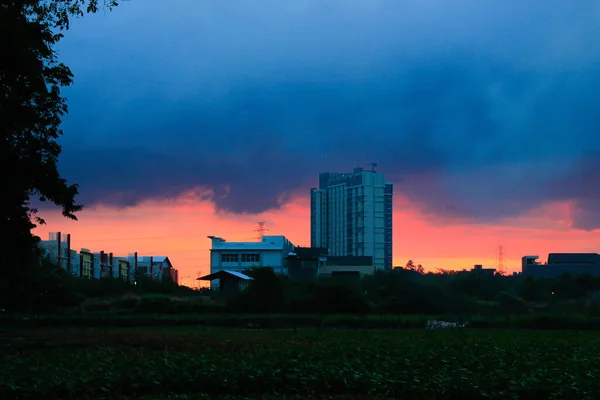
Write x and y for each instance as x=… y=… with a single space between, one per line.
x=229 y=281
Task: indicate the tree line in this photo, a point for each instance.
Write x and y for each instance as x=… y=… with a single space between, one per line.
x=406 y=291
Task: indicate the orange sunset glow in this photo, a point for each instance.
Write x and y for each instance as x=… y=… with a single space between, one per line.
x=177 y=228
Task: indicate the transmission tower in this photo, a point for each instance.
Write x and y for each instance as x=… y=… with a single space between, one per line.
x=501 y=257
x=261 y=230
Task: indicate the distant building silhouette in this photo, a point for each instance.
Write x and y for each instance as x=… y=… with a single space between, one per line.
x=560 y=263
x=311 y=263
x=351 y=215
x=480 y=271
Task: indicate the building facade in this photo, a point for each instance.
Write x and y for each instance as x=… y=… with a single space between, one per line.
x=58 y=250
x=305 y=263
x=157 y=268
x=358 y=266
x=271 y=251
x=351 y=215
x=562 y=263
x=89 y=264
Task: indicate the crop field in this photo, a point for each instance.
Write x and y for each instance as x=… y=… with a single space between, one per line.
x=188 y=363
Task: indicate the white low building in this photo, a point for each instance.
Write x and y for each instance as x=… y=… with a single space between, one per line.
x=271 y=251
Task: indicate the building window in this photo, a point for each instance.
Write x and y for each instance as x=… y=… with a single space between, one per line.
x=229 y=257
x=124 y=272
x=251 y=257
x=87 y=268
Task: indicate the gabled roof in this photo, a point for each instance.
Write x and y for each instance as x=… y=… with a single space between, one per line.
x=223 y=273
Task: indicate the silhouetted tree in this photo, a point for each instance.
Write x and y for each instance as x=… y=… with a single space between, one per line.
x=31 y=108
x=410 y=265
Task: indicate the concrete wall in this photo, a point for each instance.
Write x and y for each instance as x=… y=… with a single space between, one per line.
x=556 y=270
x=299 y=269
x=364 y=270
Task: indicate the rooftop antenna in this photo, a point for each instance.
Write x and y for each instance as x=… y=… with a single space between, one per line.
x=261 y=230
x=373 y=165
x=501 y=257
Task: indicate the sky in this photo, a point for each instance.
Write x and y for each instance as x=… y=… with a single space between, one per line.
x=190 y=118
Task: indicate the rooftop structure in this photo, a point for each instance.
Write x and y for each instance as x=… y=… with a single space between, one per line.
x=561 y=263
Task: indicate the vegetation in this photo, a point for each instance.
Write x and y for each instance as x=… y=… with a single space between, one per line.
x=311 y=364
x=399 y=299
x=31 y=108
x=406 y=291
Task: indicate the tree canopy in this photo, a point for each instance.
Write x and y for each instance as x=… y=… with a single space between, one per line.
x=31 y=110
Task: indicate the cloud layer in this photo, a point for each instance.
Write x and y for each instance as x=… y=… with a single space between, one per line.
x=475 y=111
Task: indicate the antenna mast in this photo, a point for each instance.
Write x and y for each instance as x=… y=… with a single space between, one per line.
x=261 y=230
x=501 y=257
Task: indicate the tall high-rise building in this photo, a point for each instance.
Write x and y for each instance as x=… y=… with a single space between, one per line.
x=351 y=215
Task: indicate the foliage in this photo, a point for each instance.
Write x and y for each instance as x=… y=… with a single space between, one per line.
x=31 y=108
x=462 y=295
x=49 y=288
x=410 y=265
x=330 y=297
x=265 y=294
x=406 y=291
x=216 y=364
x=510 y=304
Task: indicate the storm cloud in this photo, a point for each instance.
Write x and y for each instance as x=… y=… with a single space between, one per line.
x=474 y=110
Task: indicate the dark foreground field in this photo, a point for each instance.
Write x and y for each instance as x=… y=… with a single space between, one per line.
x=197 y=363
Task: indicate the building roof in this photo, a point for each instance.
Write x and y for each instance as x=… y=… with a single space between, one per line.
x=267 y=243
x=223 y=273
x=154 y=258
x=309 y=252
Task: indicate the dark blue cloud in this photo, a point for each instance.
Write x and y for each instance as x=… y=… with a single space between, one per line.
x=474 y=110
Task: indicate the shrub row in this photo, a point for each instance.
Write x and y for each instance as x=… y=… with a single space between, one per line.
x=372 y=322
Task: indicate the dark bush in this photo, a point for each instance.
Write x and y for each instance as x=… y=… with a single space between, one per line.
x=511 y=304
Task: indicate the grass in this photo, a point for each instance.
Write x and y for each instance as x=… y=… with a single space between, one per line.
x=209 y=363
x=116 y=318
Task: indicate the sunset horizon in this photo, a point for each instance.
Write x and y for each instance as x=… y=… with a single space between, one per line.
x=179 y=228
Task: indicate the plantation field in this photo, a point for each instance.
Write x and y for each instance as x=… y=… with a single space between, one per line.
x=198 y=363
